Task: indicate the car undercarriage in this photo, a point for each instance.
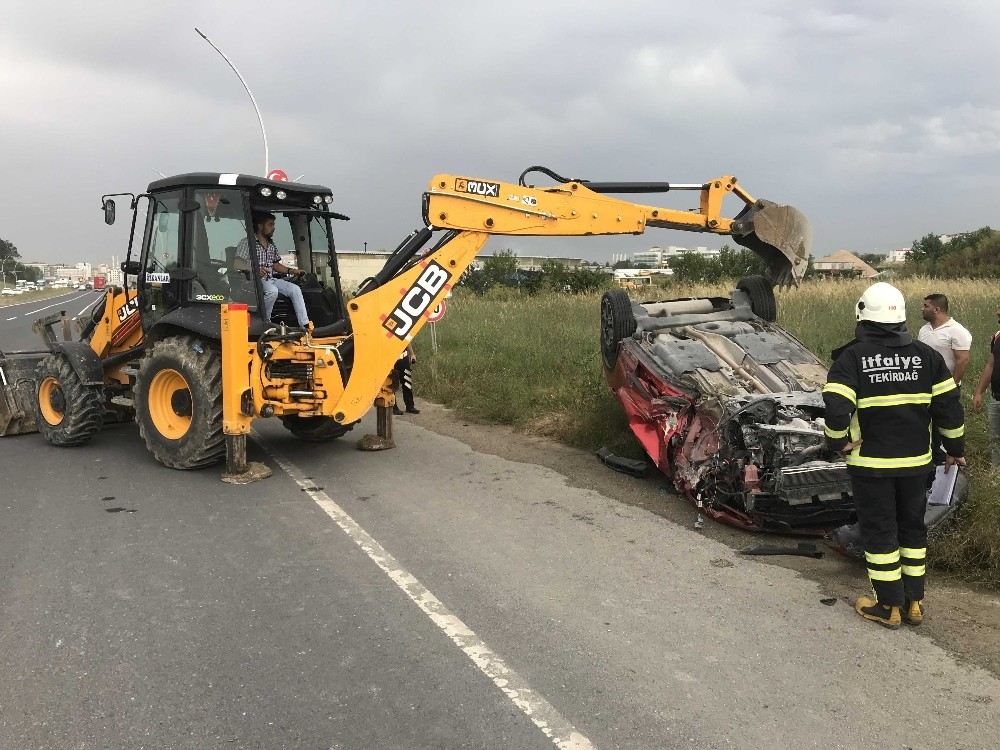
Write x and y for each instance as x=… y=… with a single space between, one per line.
x=728 y=405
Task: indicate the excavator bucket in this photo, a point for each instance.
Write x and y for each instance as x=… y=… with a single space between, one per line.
x=17 y=392
x=781 y=235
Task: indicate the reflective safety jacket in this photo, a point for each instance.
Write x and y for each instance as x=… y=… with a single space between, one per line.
x=887 y=390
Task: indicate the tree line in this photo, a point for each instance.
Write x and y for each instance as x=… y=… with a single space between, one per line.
x=11 y=267
x=501 y=270
x=973 y=254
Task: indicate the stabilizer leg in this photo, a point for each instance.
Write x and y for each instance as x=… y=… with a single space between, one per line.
x=383 y=418
x=238 y=469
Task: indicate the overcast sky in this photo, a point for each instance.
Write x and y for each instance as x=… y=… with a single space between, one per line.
x=881 y=121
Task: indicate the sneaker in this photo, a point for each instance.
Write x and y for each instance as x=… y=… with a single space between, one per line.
x=883 y=614
x=913 y=612
x=397 y=411
x=412 y=410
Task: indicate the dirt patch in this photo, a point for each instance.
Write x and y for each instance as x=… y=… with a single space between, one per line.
x=961 y=619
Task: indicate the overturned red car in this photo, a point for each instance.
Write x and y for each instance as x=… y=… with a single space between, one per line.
x=728 y=405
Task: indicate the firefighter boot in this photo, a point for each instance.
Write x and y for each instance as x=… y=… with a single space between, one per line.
x=913 y=612
x=883 y=614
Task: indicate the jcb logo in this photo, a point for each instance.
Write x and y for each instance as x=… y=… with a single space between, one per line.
x=477 y=187
x=416 y=300
x=128 y=309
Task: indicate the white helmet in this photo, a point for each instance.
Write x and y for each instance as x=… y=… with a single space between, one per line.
x=882 y=303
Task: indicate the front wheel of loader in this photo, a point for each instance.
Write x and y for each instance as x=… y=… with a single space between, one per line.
x=69 y=412
x=178 y=402
x=315 y=429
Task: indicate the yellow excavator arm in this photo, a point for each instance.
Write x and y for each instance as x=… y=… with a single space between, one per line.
x=780 y=234
x=385 y=319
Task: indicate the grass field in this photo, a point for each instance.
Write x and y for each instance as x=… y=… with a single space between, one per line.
x=534 y=363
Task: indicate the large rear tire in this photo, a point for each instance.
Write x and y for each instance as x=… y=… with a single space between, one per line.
x=315 y=429
x=617 y=323
x=69 y=413
x=178 y=402
x=761 y=295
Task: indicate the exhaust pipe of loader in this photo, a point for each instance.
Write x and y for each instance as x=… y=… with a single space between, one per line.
x=781 y=235
x=17 y=392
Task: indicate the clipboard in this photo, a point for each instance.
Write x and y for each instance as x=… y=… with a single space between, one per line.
x=944 y=486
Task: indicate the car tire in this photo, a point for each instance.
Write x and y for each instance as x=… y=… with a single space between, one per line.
x=617 y=324
x=315 y=429
x=761 y=295
x=178 y=402
x=68 y=412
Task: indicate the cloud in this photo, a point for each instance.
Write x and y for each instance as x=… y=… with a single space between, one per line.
x=821 y=104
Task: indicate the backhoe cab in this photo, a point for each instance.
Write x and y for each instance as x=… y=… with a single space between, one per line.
x=185 y=345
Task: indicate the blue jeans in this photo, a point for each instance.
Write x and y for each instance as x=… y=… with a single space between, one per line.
x=272 y=287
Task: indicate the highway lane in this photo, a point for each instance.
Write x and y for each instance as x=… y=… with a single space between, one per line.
x=16 y=319
x=144 y=607
x=358 y=600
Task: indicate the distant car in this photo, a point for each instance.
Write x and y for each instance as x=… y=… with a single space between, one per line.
x=728 y=404
x=8 y=292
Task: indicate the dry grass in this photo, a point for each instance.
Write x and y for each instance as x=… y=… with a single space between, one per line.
x=534 y=363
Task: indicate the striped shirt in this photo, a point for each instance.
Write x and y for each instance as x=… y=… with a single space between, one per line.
x=267 y=255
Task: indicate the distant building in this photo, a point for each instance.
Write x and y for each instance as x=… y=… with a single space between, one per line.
x=844 y=263
x=652 y=258
x=633 y=278
x=535 y=262
x=77 y=274
x=659 y=257
x=899 y=255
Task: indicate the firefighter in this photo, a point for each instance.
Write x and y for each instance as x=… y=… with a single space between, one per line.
x=882 y=394
x=403 y=377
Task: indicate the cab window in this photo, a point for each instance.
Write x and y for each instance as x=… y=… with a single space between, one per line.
x=218 y=227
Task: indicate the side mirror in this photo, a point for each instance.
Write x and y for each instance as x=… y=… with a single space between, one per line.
x=131 y=268
x=109 y=211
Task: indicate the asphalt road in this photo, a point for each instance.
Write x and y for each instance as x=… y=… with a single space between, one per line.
x=16 y=319
x=429 y=597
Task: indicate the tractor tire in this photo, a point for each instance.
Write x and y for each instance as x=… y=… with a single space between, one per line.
x=761 y=295
x=617 y=323
x=69 y=413
x=315 y=429
x=178 y=402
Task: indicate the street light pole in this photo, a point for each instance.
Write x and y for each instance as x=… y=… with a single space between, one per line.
x=253 y=101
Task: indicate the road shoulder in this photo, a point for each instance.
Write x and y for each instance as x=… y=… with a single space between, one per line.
x=963 y=620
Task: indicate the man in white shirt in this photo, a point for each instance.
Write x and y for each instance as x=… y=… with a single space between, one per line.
x=946 y=335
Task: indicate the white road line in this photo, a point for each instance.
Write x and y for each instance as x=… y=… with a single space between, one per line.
x=542 y=713
x=89 y=304
x=40 y=309
x=14 y=318
x=36 y=301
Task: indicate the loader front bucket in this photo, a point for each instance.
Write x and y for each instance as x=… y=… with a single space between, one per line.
x=17 y=392
x=781 y=235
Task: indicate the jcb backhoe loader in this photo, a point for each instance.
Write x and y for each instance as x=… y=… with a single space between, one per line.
x=186 y=345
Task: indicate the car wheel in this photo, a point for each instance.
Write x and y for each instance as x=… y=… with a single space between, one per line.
x=178 y=403
x=69 y=413
x=315 y=429
x=761 y=295
x=617 y=323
